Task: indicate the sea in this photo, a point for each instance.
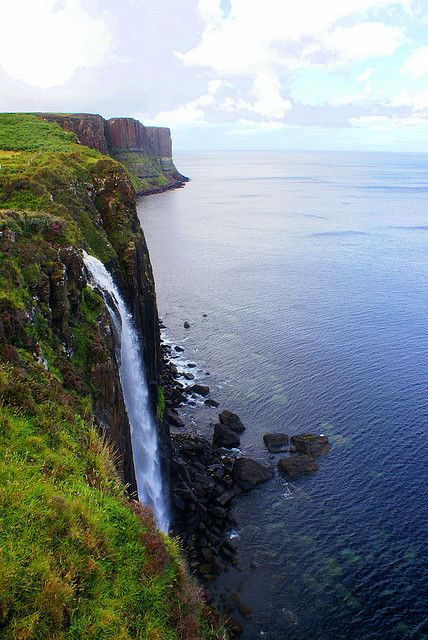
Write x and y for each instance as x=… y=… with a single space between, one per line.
x=304 y=277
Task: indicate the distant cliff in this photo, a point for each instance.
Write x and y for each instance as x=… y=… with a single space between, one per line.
x=145 y=151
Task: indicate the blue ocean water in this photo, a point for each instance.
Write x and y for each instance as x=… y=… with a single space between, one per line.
x=312 y=269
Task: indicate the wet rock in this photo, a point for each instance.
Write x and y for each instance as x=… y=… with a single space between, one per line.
x=234 y=627
x=178 y=349
x=244 y=610
x=200 y=389
x=205 y=315
x=297 y=465
x=188 y=375
x=276 y=442
x=231 y=421
x=224 y=437
x=310 y=444
x=211 y=403
x=226 y=497
x=191 y=365
x=186 y=325
x=174 y=419
x=247 y=473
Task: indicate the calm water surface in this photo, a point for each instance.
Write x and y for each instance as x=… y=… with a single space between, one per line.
x=313 y=272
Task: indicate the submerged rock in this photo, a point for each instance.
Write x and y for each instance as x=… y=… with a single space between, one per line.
x=247 y=473
x=179 y=349
x=276 y=442
x=186 y=325
x=211 y=403
x=297 y=465
x=231 y=421
x=224 y=437
x=310 y=443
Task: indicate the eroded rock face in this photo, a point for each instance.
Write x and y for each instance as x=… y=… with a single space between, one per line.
x=297 y=465
x=311 y=444
x=160 y=139
x=247 y=473
x=127 y=133
x=90 y=129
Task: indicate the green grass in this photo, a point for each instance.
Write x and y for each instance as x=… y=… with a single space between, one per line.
x=22 y=132
x=144 y=171
x=76 y=561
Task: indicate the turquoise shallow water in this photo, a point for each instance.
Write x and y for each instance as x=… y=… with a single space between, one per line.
x=312 y=270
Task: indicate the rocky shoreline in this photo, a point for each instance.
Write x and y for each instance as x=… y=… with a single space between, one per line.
x=207 y=477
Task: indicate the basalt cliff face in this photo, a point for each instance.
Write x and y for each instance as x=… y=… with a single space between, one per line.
x=145 y=151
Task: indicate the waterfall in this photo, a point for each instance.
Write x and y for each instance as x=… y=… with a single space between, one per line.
x=135 y=391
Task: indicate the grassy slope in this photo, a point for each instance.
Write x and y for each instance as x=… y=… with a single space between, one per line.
x=144 y=171
x=77 y=559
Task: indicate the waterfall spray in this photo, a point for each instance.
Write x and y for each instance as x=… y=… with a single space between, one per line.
x=135 y=391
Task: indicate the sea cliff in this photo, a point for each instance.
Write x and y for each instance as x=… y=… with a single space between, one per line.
x=80 y=557
x=146 y=152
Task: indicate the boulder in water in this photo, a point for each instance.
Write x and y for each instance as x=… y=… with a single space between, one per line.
x=310 y=443
x=186 y=325
x=231 y=421
x=247 y=473
x=276 y=442
x=224 y=437
x=200 y=389
x=297 y=465
x=211 y=403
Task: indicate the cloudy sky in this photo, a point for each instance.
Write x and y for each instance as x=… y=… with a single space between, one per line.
x=227 y=74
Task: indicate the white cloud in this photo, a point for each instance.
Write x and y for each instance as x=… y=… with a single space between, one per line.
x=418 y=100
x=44 y=42
x=366 y=75
x=192 y=111
x=253 y=127
x=416 y=64
x=254 y=35
x=269 y=102
x=386 y=123
x=364 y=40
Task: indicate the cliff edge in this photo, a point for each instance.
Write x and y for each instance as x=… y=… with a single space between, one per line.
x=145 y=151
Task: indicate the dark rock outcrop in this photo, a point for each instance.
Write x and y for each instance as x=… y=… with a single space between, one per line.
x=276 y=442
x=297 y=465
x=224 y=437
x=310 y=444
x=90 y=129
x=199 y=389
x=231 y=421
x=247 y=473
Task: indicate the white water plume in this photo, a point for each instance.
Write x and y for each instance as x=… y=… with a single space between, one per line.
x=135 y=391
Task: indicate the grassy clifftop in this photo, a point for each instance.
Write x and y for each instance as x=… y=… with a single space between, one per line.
x=78 y=559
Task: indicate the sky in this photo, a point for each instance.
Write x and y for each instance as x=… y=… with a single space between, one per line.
x=228 y=74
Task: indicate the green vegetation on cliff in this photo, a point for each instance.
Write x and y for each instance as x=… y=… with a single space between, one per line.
x=145 y=172
x=78 y=559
